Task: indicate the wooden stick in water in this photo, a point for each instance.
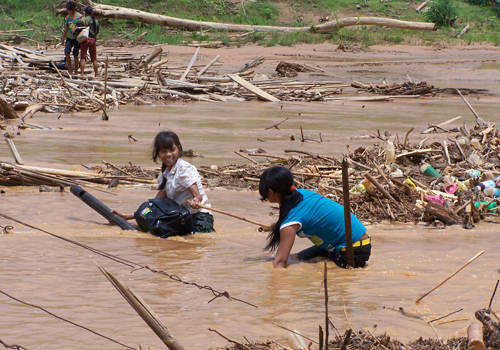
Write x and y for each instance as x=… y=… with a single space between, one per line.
x=453 y=274
x=264 y=227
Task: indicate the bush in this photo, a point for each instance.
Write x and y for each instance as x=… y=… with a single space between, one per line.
x=442 y=12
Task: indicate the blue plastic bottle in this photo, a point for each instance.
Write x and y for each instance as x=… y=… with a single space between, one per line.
x=492 y=192
x=481 y=186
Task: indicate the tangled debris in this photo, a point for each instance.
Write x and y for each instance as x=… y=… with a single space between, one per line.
x=36 y=80
x=440 y=183
x=484 y=335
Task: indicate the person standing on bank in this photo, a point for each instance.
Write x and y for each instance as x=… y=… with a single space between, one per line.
x=179 y=181
x=68 y=39
x=309 y=215
x=90 y=43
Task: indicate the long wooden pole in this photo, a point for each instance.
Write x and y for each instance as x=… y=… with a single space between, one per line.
x=264 y=227
x=327 y=326
x=453 y=274
x=479 y=120
x=347 y=213
x=104 y=111
x=143 y=309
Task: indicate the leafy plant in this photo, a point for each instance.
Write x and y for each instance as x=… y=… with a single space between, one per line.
x=442 y=12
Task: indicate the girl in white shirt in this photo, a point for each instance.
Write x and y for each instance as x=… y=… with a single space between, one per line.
x=179 y=181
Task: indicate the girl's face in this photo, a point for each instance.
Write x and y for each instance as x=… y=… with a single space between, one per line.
x=169 y=156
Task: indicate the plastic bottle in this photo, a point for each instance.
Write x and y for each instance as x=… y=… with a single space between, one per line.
x=473 y=173
x=492 y=192
x=390 y=152
x=448 y=180
x=463 y=186
x=491 y=206
x=481 y=186
x=475 y=143
x=296 y=342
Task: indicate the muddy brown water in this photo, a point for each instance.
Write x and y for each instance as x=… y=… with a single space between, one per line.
x=407 y=260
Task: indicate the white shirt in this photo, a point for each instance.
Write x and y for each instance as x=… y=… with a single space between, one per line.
x=179 y=179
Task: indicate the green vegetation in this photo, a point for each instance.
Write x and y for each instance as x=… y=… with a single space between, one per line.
x=451 y=16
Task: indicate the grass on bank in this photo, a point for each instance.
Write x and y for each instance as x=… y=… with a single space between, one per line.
x=39 y=15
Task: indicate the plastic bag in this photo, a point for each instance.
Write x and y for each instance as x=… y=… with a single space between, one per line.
x=84 y=35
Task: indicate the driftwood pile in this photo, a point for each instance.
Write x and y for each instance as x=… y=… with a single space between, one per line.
x=109 y=174
x=30 y=83
x=394 y=190
x=383 y=186
x=484 y=335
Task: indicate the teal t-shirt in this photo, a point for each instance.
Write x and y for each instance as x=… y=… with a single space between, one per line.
x=71 y=24
x=322 y=221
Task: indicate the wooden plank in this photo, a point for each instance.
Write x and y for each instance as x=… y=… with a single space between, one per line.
x=252 y=88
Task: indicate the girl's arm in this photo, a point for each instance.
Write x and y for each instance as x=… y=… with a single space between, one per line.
x=161 y=194
x=64 y=35
x=287 y=237
x=197 y=198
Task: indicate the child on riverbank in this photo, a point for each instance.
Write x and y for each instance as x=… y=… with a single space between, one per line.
x=90 y=44
x=179 y=181
x=308 y=214
x=68 y=39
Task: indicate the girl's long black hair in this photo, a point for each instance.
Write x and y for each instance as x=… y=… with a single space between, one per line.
x=90 y=11
x=165 y=140
x=280 y=180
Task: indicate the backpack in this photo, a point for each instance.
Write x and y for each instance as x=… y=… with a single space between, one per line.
x=163 y=217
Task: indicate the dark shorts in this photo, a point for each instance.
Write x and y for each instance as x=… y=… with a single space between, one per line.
x=339 y=257
x=91 y=46
x=71 y=43
x=203 y=222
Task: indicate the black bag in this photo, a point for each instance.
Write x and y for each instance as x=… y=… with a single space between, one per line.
x=163 y=217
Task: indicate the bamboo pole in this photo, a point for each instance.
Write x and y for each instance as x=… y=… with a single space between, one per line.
x=475 y=337
x=479 y=120
x=62 y=79
x=184 y=75
x=379 y=187
x=347 y=214
x=143 y=309
x=325 y=282
x=264 y=227
x=104 y=107
x=453 y=274
x=204 y=69
x=14 y=151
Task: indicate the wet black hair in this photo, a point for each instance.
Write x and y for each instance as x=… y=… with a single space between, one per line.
x=165 y=140
x=71 y=5
x=279 y=180
x=90 y=11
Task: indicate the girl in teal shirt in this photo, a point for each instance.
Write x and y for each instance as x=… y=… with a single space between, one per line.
x=309 y=215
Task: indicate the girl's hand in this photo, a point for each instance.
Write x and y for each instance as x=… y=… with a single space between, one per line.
x=123 y=215
x=195 y=203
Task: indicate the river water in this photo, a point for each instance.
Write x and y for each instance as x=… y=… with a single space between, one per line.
x=407 y=260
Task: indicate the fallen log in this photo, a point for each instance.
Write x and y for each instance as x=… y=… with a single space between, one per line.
x=434 y=211
x=6 y=110
x=117 y=12
x=372 y=21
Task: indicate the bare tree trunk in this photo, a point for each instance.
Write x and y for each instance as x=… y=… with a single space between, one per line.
x=152 y=18
x=372 y=21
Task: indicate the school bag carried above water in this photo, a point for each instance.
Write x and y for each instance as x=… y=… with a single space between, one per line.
x=163 y=217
